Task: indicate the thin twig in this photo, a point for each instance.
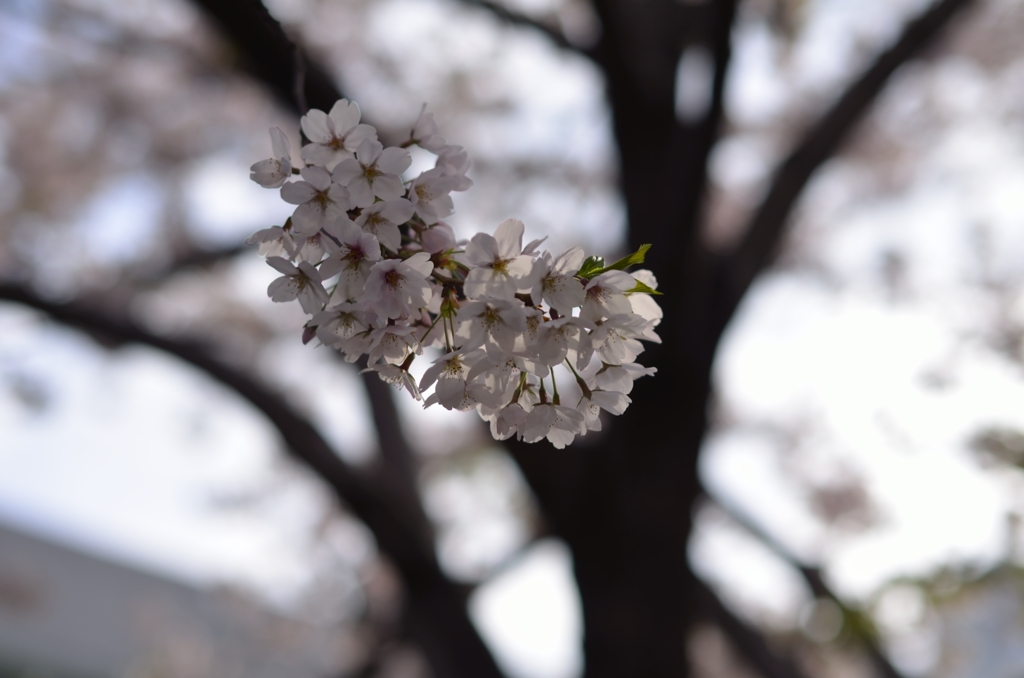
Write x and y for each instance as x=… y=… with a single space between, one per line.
x=513 y=18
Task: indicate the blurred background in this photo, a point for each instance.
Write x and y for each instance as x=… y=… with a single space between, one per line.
x=867 y=425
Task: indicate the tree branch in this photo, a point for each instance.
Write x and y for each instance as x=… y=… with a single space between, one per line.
x=767 y=226
x=435 y=607
x=748 y=641
x=193 y=259
x=812 y=576
x=508 y=16
x=270 y=56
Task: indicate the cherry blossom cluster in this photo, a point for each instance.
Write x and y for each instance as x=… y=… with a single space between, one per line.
x=368 y=257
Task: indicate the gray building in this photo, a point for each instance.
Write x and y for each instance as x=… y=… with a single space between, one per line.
x=66 y=614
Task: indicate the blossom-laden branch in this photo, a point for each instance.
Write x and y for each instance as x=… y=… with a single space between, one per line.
x=435 y=607
x=367 y=256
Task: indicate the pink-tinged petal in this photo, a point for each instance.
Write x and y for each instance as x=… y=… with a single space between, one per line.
x=279 y=142
x=430 y=376
x=420 y=262
x=646 y=307
x=369 y=245
x=298 y=192
x=358 y=135
x=282 y=265
x=314 y=125
x=318 y=177
x=360 y=193
x=345 y=115
x=438 y=238
x=569 y=261
x=368 y=151
x=509 y=237
x=617 y=281
x=309 y=270
x=339 y=197
x=270 y=173
x=564 y=294
x=307 y=220
x=394 y=160
x=484 y=282
x=531 y=247
x=321 y=155
x=427 y=213
x=343 y=229
x=520 y=267
x=398 y=210
x=283 y=289
x=347 y=170
x=482 y=250
x=389 y=236
x=310 y=298
x=388 y=187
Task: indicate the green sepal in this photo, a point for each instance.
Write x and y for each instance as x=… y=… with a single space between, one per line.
x=594 y=266
x=630 y=260
x=643 y=289
x=447 y=310
x=591 y=267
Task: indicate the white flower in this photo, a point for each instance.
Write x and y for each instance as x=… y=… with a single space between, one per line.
x=454 y=389
x=425 y=133
x=438 y=238
x=490 y=322
x=558 y=423
x=395 y=288
x=339 y=322
x=357 y=345
x=374 y=172
x=500 y=368
x=499 y=268
x=382 y=220
x=273 y=172
x=393 y=342
x=511 y=317
x=592 y=403
x=555 y=283
x=614 y=338
x=397 y=377
x=564 y=338
x=507 y=421
x=312 y=249
x=319 y=199
x=453 y=161
x=604 y=295
x=334 y=137
x=353 y=258
x=620 y=377
x=274 y=242
x=644 y=305
x=429 y=195
x=300 y=282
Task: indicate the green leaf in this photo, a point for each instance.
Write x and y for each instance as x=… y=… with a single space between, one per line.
x=591 y=267
x=642 y=288
x=630 y=260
